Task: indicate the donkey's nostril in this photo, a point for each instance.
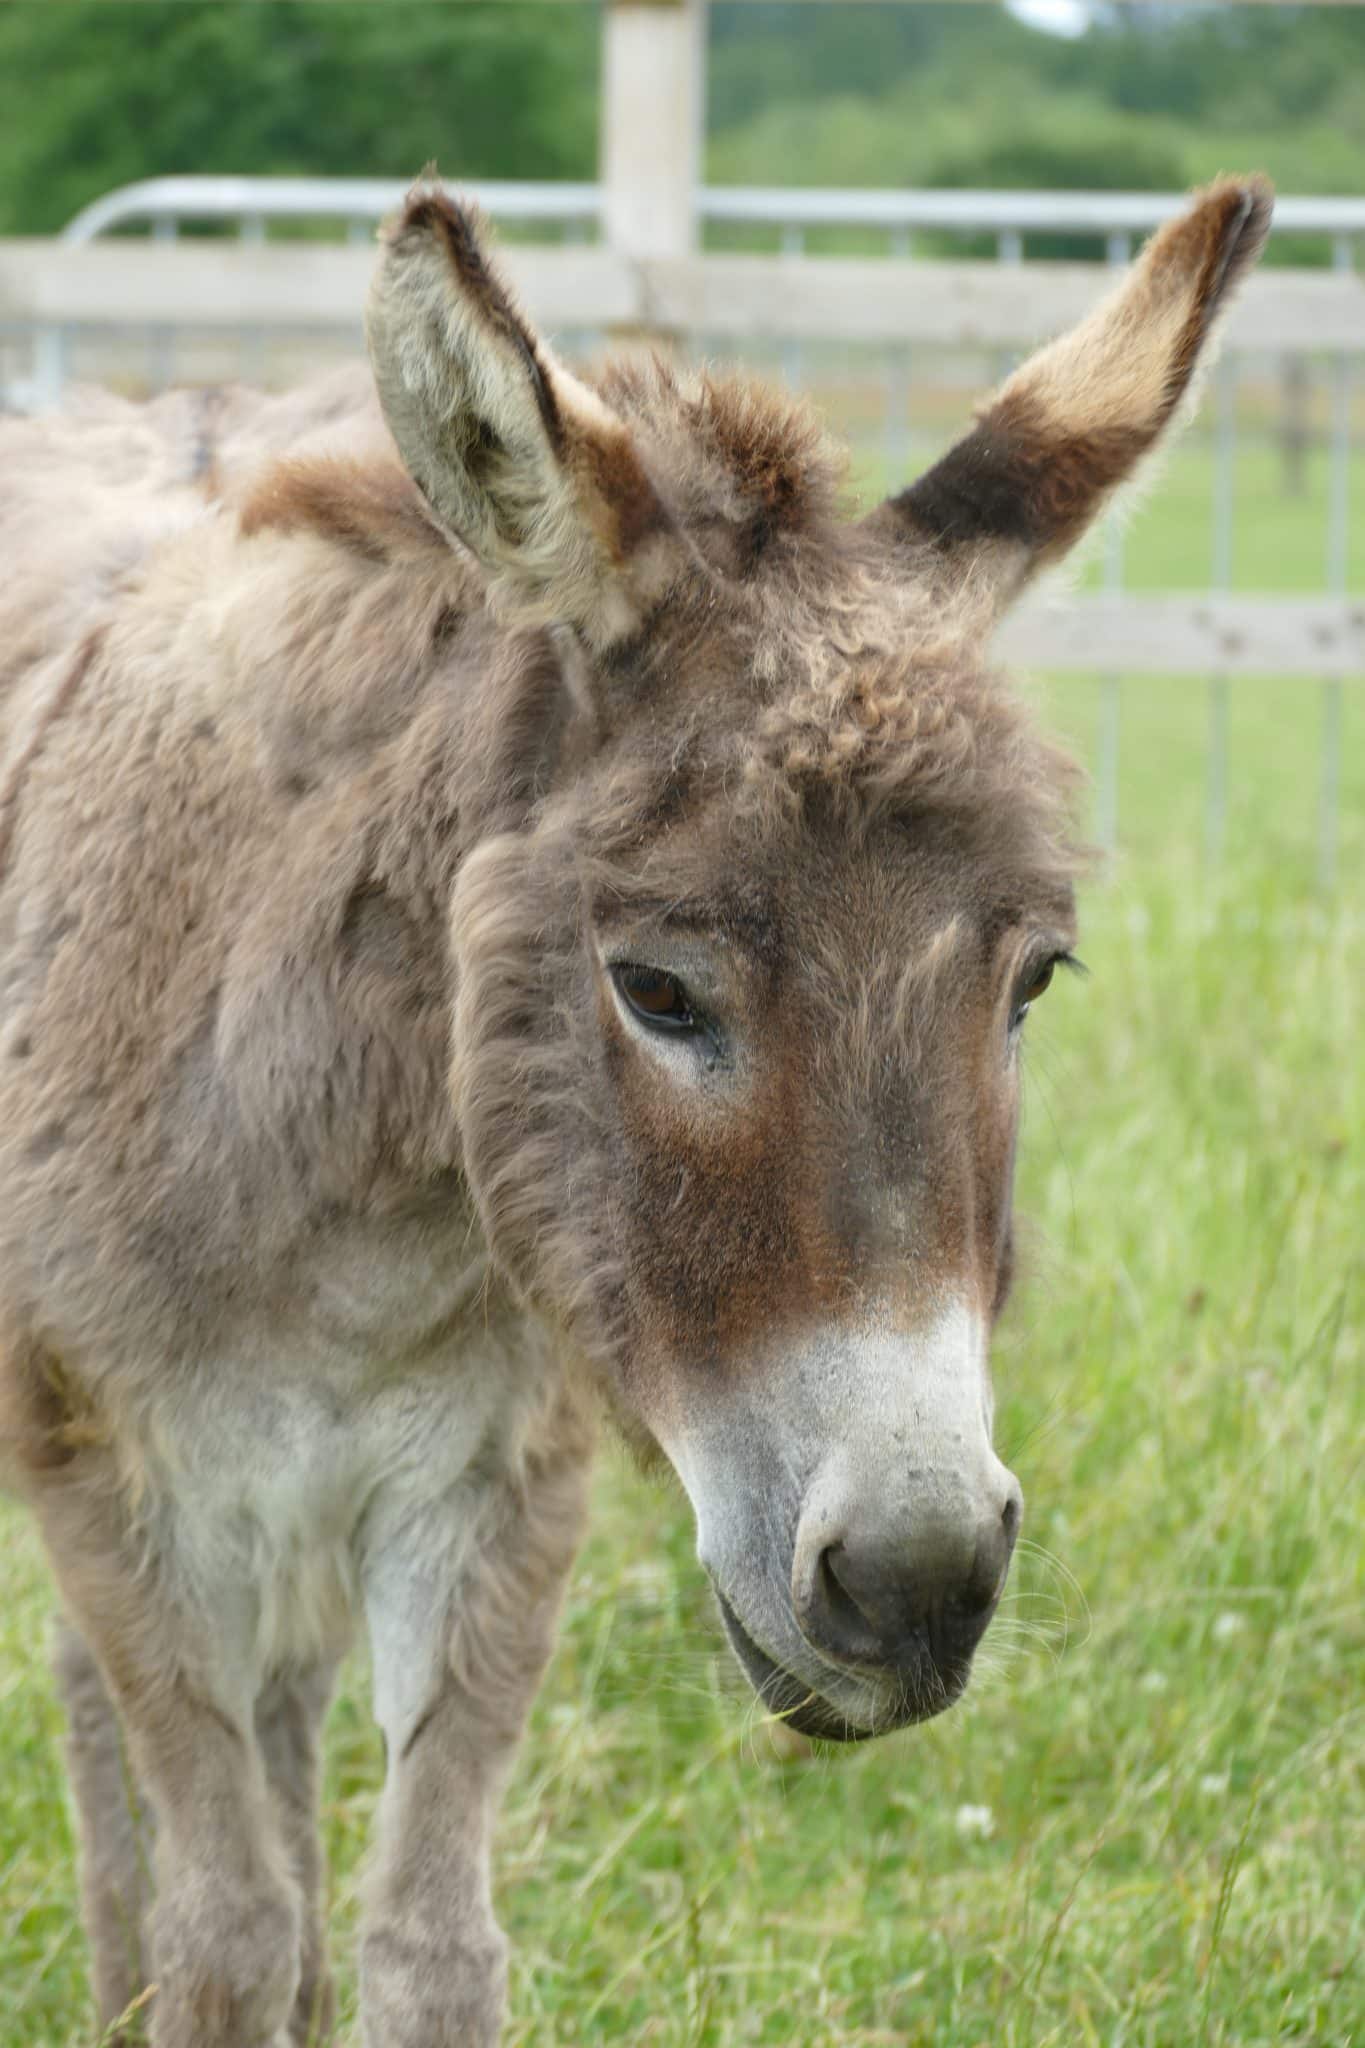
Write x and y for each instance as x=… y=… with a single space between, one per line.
x=842 y=1600
x=990 y=1565
x=829 y=1613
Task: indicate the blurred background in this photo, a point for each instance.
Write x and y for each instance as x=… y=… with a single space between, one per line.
x=1146 y=1824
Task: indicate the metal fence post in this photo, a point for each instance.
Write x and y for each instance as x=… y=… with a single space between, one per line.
x=898 y=367
x=1338 y=563
x=49 y=363
x=793 y=356
x=1220 y=578
x=252 y=232
x=161 y=339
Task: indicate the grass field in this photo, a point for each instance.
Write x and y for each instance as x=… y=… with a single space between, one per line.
x=1145 y=1828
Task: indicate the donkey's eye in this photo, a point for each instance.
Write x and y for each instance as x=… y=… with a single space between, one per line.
x=1039 y=980
x=658 y=999
x=1038 y=984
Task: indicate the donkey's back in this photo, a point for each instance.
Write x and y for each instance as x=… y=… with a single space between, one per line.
x=86 y=494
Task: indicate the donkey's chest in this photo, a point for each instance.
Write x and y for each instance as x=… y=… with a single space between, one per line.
x=278 y=1479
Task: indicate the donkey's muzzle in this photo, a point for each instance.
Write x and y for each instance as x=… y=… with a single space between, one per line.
x=906 y=1596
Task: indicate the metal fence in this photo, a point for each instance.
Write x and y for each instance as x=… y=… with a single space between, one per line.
x=254 y=205
x=259 y=276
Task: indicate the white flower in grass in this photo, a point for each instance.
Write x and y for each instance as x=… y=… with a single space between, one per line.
x=1155 y=1681
x=650 y=1580
x=975 y=1823
x=1214 y=1784
x=1227 y=1625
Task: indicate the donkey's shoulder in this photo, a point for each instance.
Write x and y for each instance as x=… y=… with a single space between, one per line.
x=229 y=825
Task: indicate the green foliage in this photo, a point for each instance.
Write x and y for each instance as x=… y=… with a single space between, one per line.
x=1069 y=147
x=1150 y=98
x=95 y=93
x=769 y=52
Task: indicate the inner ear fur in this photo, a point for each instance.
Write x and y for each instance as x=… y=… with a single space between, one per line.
x=517 y=458
x=1075 y=420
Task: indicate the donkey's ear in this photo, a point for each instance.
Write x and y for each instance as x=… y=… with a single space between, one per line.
x=1073 y=422
x=516 y=457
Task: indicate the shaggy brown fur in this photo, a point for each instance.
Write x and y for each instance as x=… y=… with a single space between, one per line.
x=345 y=790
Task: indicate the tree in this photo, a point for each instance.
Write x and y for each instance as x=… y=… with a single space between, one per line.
x=95 y=93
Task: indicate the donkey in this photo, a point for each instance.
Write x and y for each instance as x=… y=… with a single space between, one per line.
x=508 y=896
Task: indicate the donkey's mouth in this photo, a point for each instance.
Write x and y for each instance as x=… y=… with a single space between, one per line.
x=786 y=1697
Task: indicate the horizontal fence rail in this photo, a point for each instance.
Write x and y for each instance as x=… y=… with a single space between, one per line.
x=833 y=298
x=172 y=304
x=982 y=212
x=256 y=202
x=1180 y=636
x=366 y=200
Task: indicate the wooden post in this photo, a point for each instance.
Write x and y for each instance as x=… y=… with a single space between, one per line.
x=653 y=110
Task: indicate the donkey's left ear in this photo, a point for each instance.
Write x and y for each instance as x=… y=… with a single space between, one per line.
x=516 y=457
x=1072 y=423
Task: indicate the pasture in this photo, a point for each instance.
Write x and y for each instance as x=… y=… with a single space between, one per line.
x=1145 y=1827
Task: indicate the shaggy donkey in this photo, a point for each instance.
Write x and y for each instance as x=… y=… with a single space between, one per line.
x=526 y=901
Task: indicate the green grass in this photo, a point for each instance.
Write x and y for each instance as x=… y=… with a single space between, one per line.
x=1166 y=1733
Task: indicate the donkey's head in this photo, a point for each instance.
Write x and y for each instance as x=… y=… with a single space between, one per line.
x=771 y=870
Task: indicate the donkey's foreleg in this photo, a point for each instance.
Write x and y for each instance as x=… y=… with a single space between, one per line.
x=289 y=1716
x=225 y=1927
x=115 y=1830
x=457 y=1663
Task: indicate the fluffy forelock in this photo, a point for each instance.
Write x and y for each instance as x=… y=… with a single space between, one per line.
x=852 y=682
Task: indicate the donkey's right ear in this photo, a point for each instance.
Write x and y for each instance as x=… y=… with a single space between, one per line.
x=518 y=459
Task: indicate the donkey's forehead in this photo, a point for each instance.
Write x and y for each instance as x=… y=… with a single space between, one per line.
x=734 y=787
x=811 y=891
